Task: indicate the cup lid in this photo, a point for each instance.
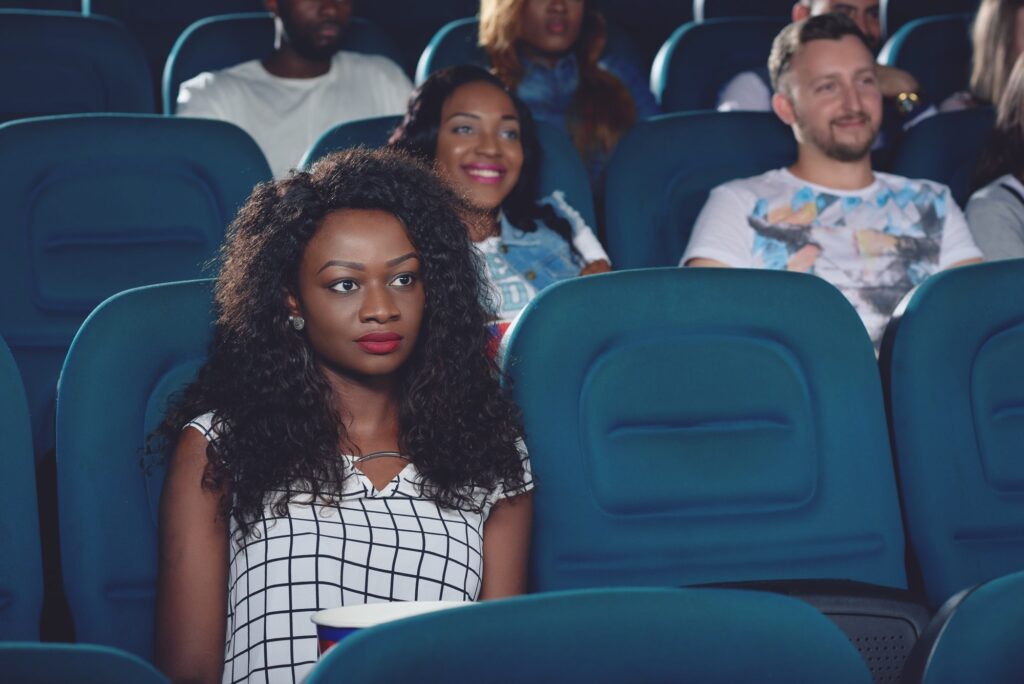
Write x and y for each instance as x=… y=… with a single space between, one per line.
x=370 y=614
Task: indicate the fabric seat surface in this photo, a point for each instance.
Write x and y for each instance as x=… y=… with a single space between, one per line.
x=153 y=339
x=713 y=9
x=66 y=63
x=28 y=663
x=936 y=50
x=701 y=431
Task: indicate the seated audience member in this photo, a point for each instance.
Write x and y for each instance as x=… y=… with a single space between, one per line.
x=308 y=85
x=346 y=442
x=752 y=90
x=549 y=52
x=481 y=139
x=872 y=235
x=997 y=37
x=995 y=213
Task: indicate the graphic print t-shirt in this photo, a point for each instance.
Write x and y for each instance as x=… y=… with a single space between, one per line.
x=873 y=244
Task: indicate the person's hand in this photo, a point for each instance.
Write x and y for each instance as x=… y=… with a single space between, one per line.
x=893 y=81
x=599 y=266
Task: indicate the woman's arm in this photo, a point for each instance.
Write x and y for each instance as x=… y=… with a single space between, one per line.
x=507 y=547
x=191 y=598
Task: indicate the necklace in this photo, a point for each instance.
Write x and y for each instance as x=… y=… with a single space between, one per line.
x=378 y=454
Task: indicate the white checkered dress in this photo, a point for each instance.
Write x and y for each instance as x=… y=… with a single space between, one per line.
x=369 y=547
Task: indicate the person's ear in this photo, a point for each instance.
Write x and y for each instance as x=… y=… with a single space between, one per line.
x=783 y=108
x=292 y=304
x=799 y=13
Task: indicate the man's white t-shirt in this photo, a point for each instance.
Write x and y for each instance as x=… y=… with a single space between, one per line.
x=873 y=244
x=287 y=115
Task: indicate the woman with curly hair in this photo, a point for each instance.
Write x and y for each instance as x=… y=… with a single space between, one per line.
x=549 y=52
x=346 y=441
x=481 y=139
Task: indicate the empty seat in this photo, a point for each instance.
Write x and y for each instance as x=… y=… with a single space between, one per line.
x=936 y=50
x=945 y=148
x=457 y=43
x=703 y=429
x=92 y=205
x=897 y=13
x=223 y=41
x=698 y=60
x=158 y=24
x=65 y=63
x=647 y=22
x=977 y=636
x=153 y=339
x=413 y=22
x=713 y=9
x=640 y=635
x=662 y=171
x=28 y=663
x=953 y=361
x=21 y=584
x=560 y=169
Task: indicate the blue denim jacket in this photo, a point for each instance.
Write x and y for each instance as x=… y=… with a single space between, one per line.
x=549 y=94
x=542 y=257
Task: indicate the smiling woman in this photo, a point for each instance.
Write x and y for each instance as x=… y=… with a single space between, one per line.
x=482 y=140
x=346 y=441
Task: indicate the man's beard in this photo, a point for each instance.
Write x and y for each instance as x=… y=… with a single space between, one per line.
x=305 y=44
x=840 y=151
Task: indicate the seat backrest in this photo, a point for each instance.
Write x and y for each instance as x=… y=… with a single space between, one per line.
x=647 y=22
x=975 y=637
x=73 y=664
x=639 y=635
x=561 y=167
x=412 y=23
x=21 y=584
x=153 y=339
x=662 y=171
x=705 y=426
x=158 y=24
x=223 y=41
x=699 y=59
x=955 y=403
x=65 y=63
x=60 y=5
x=945 y=148
x=92 y=205
x=936 y=50
x=456 y=43
x=895 y=14
x=713 y=9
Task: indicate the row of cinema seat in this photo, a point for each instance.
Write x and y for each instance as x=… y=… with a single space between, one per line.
x=411 y=23
x=95 y=204
x=706 y=430
x=57 y=63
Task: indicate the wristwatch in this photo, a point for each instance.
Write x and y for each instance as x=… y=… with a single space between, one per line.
x=907 y=103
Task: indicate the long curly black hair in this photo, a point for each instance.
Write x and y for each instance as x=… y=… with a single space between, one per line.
x=417 y=134
x=276 y=429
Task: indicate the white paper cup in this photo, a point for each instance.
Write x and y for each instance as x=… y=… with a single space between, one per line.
x=335 y=624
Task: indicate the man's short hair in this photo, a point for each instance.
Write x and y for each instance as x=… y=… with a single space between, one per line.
x=799 y=33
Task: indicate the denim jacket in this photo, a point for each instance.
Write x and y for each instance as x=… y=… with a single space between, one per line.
x=542 y=257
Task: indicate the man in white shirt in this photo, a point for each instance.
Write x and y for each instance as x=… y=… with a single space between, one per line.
x=751 y=90
x=872 y=235
x=287 y=101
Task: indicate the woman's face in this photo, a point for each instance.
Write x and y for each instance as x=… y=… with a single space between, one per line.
x=360 y=292
x=479 y=151
x=550 y=28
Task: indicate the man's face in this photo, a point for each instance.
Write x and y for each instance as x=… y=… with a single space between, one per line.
x=864 y=13
x=830 y=96
x=314 y=28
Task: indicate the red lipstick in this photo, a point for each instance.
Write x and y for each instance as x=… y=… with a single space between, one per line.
x=379 y=342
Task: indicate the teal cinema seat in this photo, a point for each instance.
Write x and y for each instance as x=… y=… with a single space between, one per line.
x=21 y=583
x=936 y=50
x=953 y=363
x=92 y=205
x=714 y=9
x=47 y=663
x=896 y=14
x=152 y=340
x=646 y=636
x=65 y=63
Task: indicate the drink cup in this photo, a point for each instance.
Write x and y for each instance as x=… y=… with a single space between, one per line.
x=335 y=624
